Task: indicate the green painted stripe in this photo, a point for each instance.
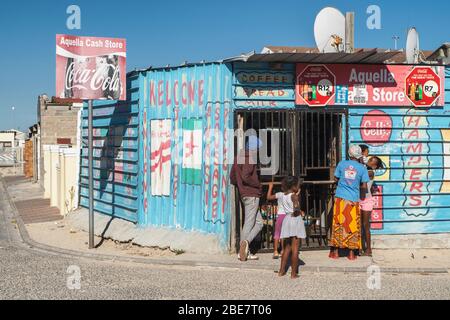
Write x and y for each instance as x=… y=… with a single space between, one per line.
x=192 y=124
x=191 y=176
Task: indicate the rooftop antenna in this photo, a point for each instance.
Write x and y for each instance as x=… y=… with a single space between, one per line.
x=412 y=47
x=395 y=38
x=329 y=30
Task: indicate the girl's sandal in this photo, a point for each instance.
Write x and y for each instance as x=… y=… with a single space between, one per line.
x=276 y=256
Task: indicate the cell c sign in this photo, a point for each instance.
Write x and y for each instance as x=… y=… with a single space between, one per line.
x=376 y=128
x=369 y=85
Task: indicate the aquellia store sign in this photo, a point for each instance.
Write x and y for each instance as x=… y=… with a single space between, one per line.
x=369 y=85
x=90 y=68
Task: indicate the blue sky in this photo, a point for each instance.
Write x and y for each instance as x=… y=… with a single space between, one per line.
x=172 y=31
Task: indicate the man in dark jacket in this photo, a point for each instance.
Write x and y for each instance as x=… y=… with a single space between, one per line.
x=244 y=175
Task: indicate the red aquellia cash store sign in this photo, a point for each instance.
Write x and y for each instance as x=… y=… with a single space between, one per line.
x=90 y=68
x=369 y=85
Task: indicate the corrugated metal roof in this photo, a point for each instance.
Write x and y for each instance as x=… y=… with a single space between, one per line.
x=372 y=57
x=302 y=55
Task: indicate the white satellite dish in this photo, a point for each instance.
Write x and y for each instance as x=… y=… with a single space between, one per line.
x=412 y=47
x=329 y=30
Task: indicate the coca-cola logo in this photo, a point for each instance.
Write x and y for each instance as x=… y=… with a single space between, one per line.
x=376 y=128
x=93 y=79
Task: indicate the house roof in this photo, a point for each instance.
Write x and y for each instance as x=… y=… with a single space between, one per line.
x=372 y=56
x=399 y=58
x=442 y=53
x=289 y=49
x=295 y=54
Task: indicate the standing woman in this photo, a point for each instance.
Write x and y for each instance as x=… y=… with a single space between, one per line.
x=352 y=178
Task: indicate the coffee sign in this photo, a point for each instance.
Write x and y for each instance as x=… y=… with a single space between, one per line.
x=90 y=68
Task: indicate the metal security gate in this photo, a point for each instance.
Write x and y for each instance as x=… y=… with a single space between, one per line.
x=310 y=145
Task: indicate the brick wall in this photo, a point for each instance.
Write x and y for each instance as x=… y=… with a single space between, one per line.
x=28 y=159
x=58 y=122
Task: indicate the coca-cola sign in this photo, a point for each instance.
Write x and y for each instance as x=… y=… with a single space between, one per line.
x=90 y=68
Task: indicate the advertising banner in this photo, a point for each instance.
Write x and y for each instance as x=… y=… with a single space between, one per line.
x=90 y=68
x=369 y=85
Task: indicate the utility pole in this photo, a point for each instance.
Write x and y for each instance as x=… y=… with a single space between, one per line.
x=12 y=117
x=349 y=32
x=91 y=175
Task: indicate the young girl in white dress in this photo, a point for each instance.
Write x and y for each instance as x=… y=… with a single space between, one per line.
x=293 y=227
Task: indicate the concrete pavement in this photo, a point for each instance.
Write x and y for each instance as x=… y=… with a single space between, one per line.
x=35 y=271
x=61 y=239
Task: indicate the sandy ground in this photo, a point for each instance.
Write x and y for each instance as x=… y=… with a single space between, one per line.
x=60 y=234
x=10 y=171
x=413 y=258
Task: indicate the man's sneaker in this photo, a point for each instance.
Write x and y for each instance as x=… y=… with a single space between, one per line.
x=243 y=250
x=252 y=257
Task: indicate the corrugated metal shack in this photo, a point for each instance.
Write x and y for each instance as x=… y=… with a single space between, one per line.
x=162 y=158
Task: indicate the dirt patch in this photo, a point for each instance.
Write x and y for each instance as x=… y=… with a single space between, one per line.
x=60 y=234
x=10 y=171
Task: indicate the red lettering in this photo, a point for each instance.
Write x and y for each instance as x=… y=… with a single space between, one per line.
x=215 y=188
x=183 y=92
x=200 y=92
x=416 y=186
x=152 y=94
x=414 y=133
x=207 y=176
x=191 y=90
x=411 y=161
x=168 y=98
x=417 y=201
x=416 y=174
x=160 y=93
x=214 y=209
x=415 y=148
x=175 y=93
x=413 y=119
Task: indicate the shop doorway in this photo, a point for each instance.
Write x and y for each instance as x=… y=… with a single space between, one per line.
x=308 y=144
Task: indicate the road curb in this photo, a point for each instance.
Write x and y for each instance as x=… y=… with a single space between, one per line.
x=31 y=244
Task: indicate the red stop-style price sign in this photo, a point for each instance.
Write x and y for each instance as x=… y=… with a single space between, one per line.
x=315 y=86
x=423 y=86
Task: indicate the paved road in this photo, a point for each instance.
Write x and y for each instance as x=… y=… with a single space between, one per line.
x=33 y=274
x=27 y=274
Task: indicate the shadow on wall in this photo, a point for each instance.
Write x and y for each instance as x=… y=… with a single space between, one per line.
x=113 y=167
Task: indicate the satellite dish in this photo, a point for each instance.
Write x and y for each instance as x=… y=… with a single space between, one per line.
x=329 y=30
x=412 y=47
